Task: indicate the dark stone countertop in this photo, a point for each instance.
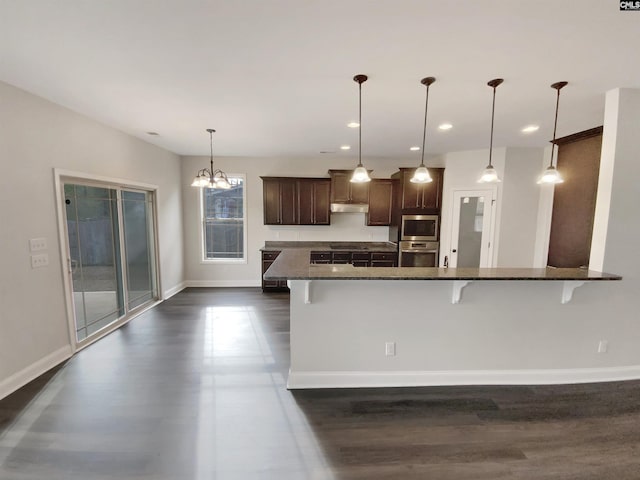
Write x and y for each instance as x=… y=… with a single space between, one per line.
x=293 y=264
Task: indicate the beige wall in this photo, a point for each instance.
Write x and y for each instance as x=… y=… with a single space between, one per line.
x=344 y=226
x=37 y=136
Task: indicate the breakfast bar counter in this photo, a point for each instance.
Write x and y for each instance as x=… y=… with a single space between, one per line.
x=409 y=326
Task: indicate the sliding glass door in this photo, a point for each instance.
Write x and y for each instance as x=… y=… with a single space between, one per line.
x=137 y=216
x=111 y=253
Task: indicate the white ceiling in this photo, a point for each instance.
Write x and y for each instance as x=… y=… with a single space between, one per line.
x=274 y=77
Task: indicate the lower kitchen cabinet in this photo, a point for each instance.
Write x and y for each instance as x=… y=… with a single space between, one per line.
x=271 y=285
x=384 y=259
x=357 y=259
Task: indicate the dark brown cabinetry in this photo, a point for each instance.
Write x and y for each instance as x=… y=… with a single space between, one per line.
x=413 y=197
x=380 y=202
x=344 y=191
x=267 y=259
x=296 y=201
x=384 y=259
x=357 y=259
x=313 y=201
x=574 y=201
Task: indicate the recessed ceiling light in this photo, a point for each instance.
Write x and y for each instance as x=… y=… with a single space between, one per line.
x=445 y=126
x=345 y=147
x=530 y=129
x=353 y=124
x=414 y=149
x=153 y=133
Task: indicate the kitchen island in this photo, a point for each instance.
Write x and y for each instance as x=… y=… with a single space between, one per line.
x=403 y=326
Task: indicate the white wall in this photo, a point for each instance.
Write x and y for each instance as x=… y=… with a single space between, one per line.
x=36 y=137
x=517 y=197
x=344 y=226
x=462 y=172
x=519 y=212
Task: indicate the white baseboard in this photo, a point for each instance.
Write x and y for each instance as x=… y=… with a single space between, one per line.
x=223 y=283
x=167 y=294
x=300 y=380
x=24 y=376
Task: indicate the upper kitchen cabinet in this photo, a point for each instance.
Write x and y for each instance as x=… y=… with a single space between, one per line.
x=418 y=196
x=345 y=191
x=380 y=202
x=296 y=201
x=314 y=201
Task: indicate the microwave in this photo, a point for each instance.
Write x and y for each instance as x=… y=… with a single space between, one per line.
x=419 y=227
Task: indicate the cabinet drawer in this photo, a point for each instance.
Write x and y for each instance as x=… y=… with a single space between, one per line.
x=270 y=255
x=383 y=263
x=361 y=256
x=341 y=257
x=320 y=257
x=384 y=256
x=360 y=263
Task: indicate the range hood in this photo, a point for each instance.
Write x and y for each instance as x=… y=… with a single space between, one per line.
x=349 y=207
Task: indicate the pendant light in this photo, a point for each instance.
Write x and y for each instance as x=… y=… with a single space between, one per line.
x=208 y=177
x=551 y=175
x=421 y=175
x=490 y=175
x=360 y=174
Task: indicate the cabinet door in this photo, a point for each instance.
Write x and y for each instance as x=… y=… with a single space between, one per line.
x=340 y=186
x=380 y=197
x=305 y=202
x=313 y=201
x=422 y=195
x=288 y=202
x=267 y=259
x=412 y=193
x=343 y=191
x=271 y=201
x=359 y=192
x=432 y=192
x=321 y=202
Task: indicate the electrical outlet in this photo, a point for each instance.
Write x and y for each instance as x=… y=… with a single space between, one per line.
x=603 y=345
x=390 y=349
x=36 y=244
x=41 y=260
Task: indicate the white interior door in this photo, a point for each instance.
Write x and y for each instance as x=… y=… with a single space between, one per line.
x=471 y=229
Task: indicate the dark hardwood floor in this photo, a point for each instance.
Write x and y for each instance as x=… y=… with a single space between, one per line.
x=195 y=389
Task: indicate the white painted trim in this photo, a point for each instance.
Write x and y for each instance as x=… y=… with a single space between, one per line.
x=101 y=179
x=167 y=294
x=61 y=176
x=223 y=283
x=301 y=380
x=24 y=376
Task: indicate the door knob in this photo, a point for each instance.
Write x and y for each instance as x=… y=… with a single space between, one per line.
x=453 y=251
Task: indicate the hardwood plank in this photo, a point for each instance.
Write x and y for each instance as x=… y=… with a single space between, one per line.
x=196 y=388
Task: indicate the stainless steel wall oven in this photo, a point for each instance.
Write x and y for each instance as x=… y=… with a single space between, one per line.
x=418 y=254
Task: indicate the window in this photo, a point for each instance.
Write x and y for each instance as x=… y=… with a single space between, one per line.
x=223 y=221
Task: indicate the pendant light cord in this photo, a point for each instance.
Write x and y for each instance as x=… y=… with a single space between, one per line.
x=360 y=121
x=424 y=132
x=211 y=158
x=493 y=109
x=555 y=125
